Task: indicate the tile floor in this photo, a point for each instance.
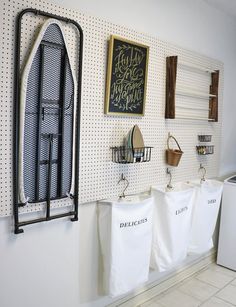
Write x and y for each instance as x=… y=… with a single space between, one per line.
x=214 y=286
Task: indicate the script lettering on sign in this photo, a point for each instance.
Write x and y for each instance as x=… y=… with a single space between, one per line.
x=127 y=75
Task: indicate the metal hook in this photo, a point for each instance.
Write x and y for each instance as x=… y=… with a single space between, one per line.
x=204 y=172
x=123 y=178
x=169 y=185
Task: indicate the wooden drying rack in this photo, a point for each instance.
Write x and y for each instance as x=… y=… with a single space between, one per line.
x=171 y=74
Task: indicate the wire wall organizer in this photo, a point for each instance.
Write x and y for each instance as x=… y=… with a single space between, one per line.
x=204 y=138
x=205 y=149
x=47 y=120
x=123 y=154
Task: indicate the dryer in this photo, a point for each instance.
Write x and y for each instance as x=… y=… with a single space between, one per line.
x=227 y=235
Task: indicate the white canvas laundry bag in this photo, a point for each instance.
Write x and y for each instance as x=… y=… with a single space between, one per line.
x=171 y=225
x=207 y=199
x=125 y=231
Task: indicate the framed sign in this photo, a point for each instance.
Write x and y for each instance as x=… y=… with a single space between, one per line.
x=126 y=77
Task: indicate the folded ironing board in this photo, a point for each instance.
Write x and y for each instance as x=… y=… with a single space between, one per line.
x=47 y=120
x=46 y=133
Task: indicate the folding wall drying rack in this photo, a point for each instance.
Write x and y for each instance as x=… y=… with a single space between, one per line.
x=210 y=109
x=47 y=186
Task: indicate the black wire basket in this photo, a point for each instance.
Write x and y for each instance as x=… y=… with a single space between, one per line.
x=122 y=154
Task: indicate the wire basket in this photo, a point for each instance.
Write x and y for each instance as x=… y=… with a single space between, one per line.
x=205 y=150
x=204 y=138
x=122 y=154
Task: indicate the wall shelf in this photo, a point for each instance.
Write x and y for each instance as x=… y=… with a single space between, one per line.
x=211 y=110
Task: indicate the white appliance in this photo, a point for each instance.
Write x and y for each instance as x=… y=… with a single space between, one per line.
x=227 y=236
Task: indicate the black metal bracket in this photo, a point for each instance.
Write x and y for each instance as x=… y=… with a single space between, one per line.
x=73 y=214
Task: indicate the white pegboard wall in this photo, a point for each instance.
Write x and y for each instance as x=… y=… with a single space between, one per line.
x=98 y=175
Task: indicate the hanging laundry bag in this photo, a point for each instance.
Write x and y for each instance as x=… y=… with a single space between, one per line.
x=125 y=231
x=171 y=225
x=207 y=198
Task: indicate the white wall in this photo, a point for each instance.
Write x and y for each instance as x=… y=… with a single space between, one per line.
x=39 y=268
x=57 y=264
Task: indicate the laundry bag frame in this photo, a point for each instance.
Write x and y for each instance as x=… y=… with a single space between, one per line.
x=17 y=86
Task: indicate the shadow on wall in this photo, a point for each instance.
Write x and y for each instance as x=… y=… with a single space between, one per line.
x=90 y=261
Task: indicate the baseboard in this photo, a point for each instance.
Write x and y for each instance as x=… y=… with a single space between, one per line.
x=169 y=280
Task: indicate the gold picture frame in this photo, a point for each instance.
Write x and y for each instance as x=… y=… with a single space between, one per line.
x=126 y=81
